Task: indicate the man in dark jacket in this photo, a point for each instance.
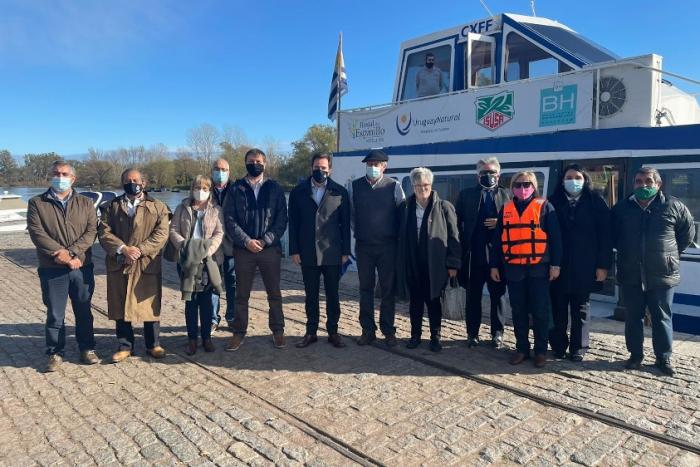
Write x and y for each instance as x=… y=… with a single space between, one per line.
x=319 y=240
x=63 y=225
x=220 y=174
x=650 y=231
x=375 y=215
x=255 y=215
x=477 y=212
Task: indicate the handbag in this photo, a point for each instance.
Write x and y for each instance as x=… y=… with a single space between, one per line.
x=454 y=300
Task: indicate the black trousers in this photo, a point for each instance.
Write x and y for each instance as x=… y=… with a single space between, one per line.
x=577 y=306
x=125 y=334
x=312 y=285
x=419 y=299
x=382 y=258
x=479 y=274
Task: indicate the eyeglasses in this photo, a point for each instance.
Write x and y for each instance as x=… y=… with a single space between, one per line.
x=522 y=184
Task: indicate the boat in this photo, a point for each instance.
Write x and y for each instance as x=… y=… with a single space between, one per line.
x=13 y=213
x=538 y=95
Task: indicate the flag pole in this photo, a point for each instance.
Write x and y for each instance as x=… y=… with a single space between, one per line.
x=337 y=128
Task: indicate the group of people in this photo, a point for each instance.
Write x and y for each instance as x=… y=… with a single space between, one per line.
x=549 y=254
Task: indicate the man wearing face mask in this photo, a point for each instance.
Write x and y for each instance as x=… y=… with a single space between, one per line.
x=133 y=231
x=319 y=241
x=375 y=201
x=63 y=225
x=650 y=231
x=477 y=212
x=220 y=175
x=429 y=80
x=255 y=216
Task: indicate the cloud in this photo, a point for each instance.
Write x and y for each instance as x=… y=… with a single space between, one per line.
x=82 y=33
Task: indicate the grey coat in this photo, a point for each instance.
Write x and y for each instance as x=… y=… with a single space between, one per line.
x=444 y=249
x=194 y=251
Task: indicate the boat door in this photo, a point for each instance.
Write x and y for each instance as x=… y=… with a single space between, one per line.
x=607 y=177
x=480 y=60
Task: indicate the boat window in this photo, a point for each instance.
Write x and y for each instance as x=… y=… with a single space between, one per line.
x=482 y=66
x=420 y=79
x=684 y=184
x=526 y=60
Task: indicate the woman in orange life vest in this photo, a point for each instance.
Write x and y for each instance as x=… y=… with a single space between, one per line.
x=527 y=243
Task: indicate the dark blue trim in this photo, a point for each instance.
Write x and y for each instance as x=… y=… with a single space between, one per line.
x=541 y=40
x=687 y=324
x=631 y=138
x=686 y=299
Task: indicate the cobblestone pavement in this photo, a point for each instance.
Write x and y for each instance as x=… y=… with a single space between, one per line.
x=327 y=406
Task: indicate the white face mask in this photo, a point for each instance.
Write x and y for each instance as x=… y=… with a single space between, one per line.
x=200 y=195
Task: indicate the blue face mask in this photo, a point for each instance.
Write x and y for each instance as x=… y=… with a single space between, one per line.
x=573 y=187
x=373 y=172
x=61 y=184
x=220 y=177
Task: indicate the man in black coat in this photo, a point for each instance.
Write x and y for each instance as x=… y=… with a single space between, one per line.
x=477 y=211
x=584 y=221
x=319 y=241
x=650 y=231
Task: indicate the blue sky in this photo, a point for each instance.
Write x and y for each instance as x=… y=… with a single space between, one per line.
x=82 y=73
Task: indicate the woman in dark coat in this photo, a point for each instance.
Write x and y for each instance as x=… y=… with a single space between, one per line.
x=584 y=221
x=429 y=254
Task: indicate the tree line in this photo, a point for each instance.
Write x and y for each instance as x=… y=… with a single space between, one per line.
x=100 y=169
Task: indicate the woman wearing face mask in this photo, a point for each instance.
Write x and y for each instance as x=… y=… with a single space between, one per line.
x=198 y=217
x=527 y=244
x=584 y=220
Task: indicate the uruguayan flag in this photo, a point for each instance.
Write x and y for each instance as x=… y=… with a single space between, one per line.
x=339 y=83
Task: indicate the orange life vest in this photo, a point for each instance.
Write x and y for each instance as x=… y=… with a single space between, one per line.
x=523 y=240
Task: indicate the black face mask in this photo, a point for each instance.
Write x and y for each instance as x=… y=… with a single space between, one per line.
x=254 y=170
x=132 y=189
x=429 y=64
x=319 y=175
x=488 y=180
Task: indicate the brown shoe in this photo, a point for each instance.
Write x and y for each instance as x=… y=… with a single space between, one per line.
x=517 y=358
x=307 y=341
x=157 y=352
x=336 y=341
x=208 y=346
x=89 y=357
x=279 y=341
x=235 y=343
x=390 y=340
x=191 y=347
x=121 y=355
x=540 y=361
x=54 y=363
x=366 y=338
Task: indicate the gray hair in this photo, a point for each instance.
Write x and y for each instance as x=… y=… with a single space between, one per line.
x=650 y=171
x=488 y=161
x=61 y=163
x=421 y=173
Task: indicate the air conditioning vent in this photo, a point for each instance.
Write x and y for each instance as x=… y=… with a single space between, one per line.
x=612 y=95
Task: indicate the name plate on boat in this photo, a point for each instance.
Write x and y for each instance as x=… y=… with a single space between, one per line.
x=555 y=103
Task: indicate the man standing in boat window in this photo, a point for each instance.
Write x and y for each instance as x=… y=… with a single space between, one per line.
x=477 y=213
x=374 y=201
x=429 y=81
x=63 y=225
x=650 y=231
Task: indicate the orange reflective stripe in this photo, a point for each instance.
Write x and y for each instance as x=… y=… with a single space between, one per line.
x=523 y=240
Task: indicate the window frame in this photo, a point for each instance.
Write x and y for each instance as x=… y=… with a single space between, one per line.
x=471 y=37
x=507 y=30
x=404 y=66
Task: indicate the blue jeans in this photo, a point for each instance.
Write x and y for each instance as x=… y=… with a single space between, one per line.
x=530 y=296
x=229 y=275
x=200 y=307
x=57 y=285
x=658 y=302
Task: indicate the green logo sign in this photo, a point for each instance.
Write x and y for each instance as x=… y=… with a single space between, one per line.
x=494 y=111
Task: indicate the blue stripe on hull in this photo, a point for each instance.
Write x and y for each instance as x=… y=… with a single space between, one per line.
x=676 y=137
x=686 y=323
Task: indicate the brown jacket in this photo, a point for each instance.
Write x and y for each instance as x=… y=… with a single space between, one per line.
x=212 y=225
x=134 y=290
x=51 y=229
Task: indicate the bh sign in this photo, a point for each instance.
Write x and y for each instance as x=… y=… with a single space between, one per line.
x=558 y=106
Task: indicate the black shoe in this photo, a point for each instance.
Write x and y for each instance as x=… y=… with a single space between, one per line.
x=390 y=340
x=413 y=343
x=336 y=341
x=472 y=341
x=435 y=345
x=576 y=357
x=559 y=355
x=306 y=341
x=497 y=340
x=366 y=338
x=664 y=364
x=634 y=363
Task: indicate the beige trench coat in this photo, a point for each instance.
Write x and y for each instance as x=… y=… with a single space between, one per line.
x=134 y=291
